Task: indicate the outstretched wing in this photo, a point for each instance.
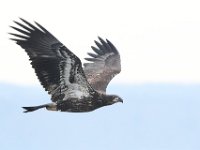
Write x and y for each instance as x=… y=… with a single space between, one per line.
x=105 y=64
x=57 y=68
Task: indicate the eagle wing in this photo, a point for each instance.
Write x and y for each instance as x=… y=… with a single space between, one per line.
x=57 y=68
x=105 y=64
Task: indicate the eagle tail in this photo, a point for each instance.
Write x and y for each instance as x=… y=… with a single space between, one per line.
x=33 y=108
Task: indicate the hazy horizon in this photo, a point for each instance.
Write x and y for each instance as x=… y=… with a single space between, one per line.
x=152 y=117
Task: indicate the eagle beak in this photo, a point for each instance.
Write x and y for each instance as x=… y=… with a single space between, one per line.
x=120 y=100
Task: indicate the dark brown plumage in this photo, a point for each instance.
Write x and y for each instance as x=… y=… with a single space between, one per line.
x=72 y=87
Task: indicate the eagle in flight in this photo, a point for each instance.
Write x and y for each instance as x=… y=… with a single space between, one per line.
x=73 y=87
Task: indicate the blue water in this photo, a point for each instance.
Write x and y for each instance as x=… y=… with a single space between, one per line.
x=152 y=117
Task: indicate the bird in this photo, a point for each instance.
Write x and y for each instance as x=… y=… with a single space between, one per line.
x=73 y=87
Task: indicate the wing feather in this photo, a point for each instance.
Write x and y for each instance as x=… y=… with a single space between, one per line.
x=57 y=68
x=104 y=65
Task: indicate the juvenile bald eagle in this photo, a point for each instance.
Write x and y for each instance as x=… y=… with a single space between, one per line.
x=73 y=88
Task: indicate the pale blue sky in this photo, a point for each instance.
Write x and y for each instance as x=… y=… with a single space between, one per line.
x=152 y=117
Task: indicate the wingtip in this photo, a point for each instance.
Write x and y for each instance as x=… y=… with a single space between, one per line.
x=9 y=33
x=12 y=26
x=22 y=19
x=13 y=39
x=99 y=38
x=92 y=55
x=41 y=27
x=95 y=41
x=114 y=49
x=15 y=20
x=107 y=40
x=36 y=23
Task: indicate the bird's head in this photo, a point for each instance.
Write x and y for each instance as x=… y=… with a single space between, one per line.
x=111 y=99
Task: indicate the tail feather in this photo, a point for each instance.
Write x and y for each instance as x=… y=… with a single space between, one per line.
x=33 y=108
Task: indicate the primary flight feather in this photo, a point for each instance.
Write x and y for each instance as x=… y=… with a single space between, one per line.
x=73 y=88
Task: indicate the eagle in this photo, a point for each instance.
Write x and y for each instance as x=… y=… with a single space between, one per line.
x=73 y=87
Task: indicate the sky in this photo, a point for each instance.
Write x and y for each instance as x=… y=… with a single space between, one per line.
x=158 y=40
x=160 y=80
x=152 y=117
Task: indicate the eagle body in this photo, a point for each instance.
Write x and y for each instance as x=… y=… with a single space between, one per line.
x=84 y=104
x=73 y=87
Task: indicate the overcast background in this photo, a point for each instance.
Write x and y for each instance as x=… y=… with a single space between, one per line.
x=160 y=79
x=158 y=40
